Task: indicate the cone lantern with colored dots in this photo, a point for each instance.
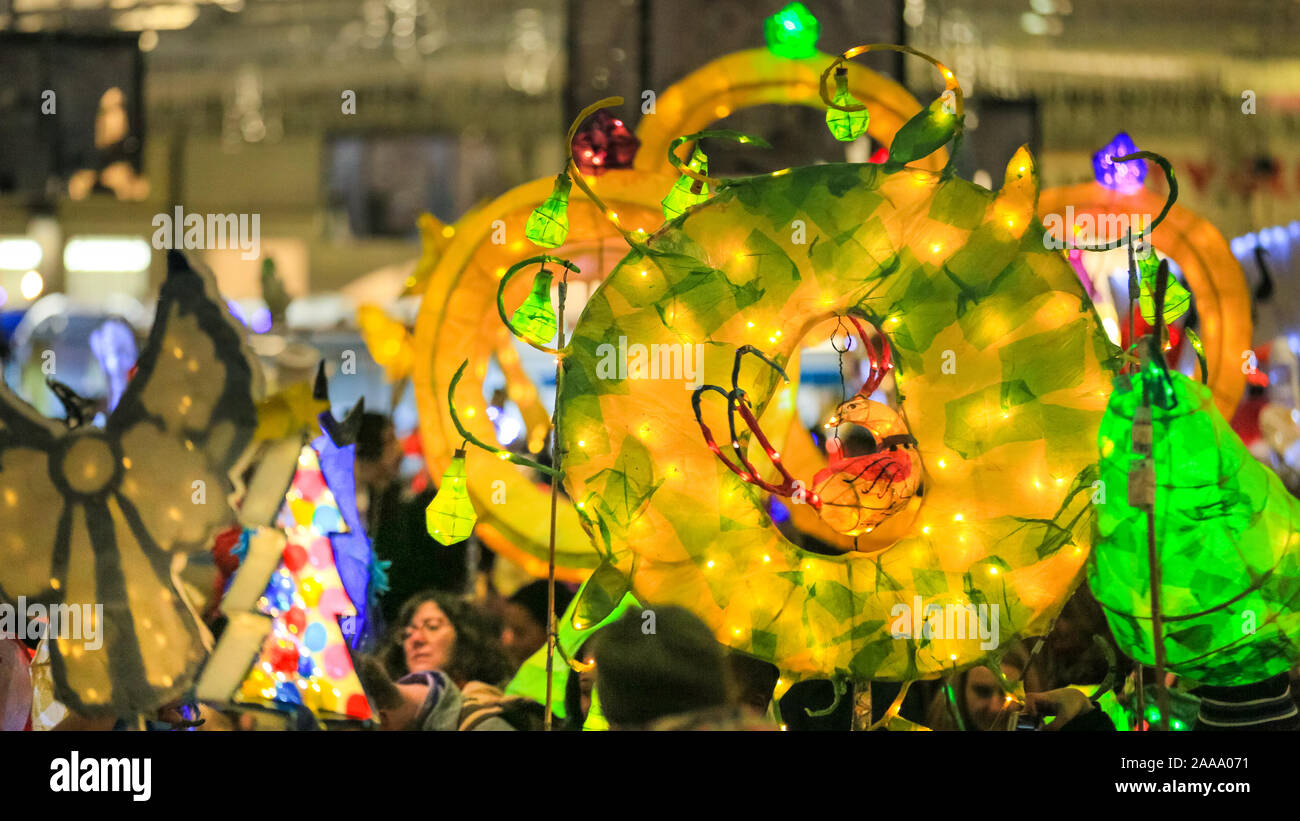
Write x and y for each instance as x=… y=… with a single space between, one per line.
x=687 y=191
x=304 y=661
x=846 y=126
x=535 y=318
x=548 y=225
x=450 y=517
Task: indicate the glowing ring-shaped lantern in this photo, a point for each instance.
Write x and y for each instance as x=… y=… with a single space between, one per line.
x=758 y=77
x=1213 y=274
x=518 y=529
x=458 y=320
x=951 y=273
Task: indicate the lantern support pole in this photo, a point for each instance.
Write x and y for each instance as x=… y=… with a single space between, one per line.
x=1156 y=349
x=551 y=637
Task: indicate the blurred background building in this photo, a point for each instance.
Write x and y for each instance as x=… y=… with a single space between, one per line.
x=340 y=121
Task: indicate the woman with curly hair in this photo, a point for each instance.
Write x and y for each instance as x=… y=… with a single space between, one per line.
x=444 y=664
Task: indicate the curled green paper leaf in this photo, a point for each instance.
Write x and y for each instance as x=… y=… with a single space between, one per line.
x=599 y=595
x=841 y=686
x=924 y=134
x=1177 y=298
x=1199 y=348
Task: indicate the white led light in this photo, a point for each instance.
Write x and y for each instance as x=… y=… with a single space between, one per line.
x=32 y=284
x=19 y=254
x=107 y=255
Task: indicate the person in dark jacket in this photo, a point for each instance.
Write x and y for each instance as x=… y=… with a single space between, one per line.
x=395 y=523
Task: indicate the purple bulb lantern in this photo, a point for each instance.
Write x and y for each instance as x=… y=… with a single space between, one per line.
x=1124 y=177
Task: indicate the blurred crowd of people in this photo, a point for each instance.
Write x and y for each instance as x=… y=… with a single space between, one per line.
x=450 y=644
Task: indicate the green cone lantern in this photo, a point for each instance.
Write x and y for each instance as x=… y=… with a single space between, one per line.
x=450 y=517
x=1227 y=537
x=846 y=126
x=535 y=318
x=548 y=225
x=687 y=191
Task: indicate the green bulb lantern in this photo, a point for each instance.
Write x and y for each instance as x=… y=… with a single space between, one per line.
x=687 y=191
x=535 y=319
x=450 y=517
x=548 y=225
x=846 y=126
x=792 y=32
x=1227 y=535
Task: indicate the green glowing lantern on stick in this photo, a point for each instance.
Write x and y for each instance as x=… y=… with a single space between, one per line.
x=792 y=32
x=535 y=320
x=548 y=225
x=450 y=517
x=688 y=191
x=846 y=126
x=1227 y=536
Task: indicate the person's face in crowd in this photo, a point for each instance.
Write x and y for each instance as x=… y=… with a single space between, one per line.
x=522 y=635
x=587 y=682
x=984 y=696
x=387 y=468
x=428 y=639
x=1070 y=635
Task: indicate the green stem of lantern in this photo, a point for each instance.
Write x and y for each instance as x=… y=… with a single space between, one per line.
x=949 y=80
x=474 y=440
x=576 y=175
x=719 y=133
x=551 y=637
x=1146 y=229
x=1132 y=290
x=1112 y=667
x=1153 y=558
x=1157 y=621
x=501 y=292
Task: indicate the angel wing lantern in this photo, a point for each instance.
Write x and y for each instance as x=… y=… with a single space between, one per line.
x=97 y=523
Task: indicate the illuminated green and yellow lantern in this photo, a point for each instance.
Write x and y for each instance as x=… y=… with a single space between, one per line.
x=548 y=225
x=450 y=517
x=849 y=119
x=792 y=32
x=535 y=318
x=1227 y=538
x=947 y=271
x=688 y=191
x=456 y=320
